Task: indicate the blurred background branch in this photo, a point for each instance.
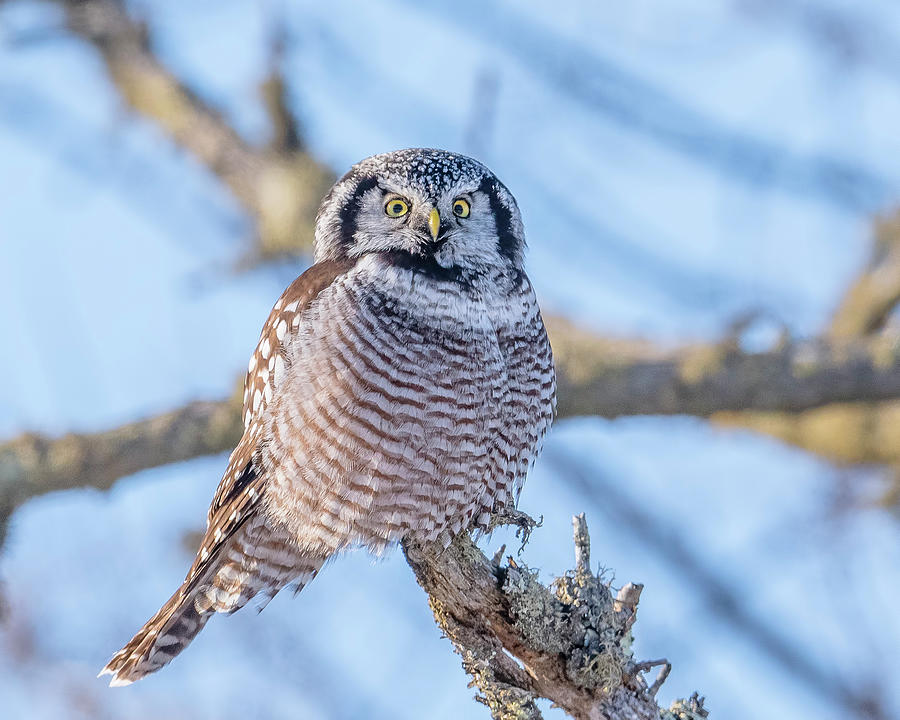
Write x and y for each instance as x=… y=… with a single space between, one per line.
x=280 y=186
x=873 y=296
x=32 y=465
x=596 y=82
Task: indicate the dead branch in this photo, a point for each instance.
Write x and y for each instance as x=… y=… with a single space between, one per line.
x=280 y=190
x=520 y=640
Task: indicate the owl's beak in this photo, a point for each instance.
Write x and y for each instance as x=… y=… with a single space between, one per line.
x=434 y=223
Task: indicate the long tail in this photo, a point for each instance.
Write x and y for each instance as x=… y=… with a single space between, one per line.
x=163 y=636
x=247 y=573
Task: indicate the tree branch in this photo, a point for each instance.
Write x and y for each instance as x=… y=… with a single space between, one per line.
x=598 y=376
x=32 y=465
x=280 y=189
x=520 y=640
x=286 y=137
x=876 y=291
x=846 y=433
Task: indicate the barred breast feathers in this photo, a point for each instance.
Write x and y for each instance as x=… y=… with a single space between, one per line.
x=400 y=411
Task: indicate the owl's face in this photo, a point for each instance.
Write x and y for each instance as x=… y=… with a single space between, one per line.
x=430 y=210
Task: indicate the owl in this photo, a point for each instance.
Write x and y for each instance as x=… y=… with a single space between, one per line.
x=401 y=388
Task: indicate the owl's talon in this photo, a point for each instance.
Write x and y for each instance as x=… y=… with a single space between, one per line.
x=523 y=521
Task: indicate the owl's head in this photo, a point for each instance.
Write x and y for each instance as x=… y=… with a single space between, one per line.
x=426 y=209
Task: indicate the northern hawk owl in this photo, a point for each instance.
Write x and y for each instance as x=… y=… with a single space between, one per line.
x=401 y=388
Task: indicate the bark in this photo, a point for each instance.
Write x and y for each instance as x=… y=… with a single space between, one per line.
x=520 y=640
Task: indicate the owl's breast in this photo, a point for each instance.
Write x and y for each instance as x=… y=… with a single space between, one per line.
x=387 y=418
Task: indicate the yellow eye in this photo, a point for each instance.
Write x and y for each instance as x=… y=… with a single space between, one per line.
x=461 y=208
x=396 y=208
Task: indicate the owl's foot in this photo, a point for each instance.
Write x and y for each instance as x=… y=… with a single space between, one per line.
x=511 y=516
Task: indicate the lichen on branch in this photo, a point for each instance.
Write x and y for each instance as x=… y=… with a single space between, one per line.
x=521 y=640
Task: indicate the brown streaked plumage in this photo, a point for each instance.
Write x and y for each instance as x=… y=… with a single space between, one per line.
x=402 y=385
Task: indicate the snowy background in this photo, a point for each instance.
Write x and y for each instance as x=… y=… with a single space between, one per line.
x=677 y=163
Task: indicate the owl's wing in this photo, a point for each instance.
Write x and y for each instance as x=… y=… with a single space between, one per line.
x=240 y=557
x=241 y=486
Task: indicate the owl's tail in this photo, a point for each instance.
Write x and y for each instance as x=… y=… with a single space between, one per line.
x=177 y=623
x=163 y=636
